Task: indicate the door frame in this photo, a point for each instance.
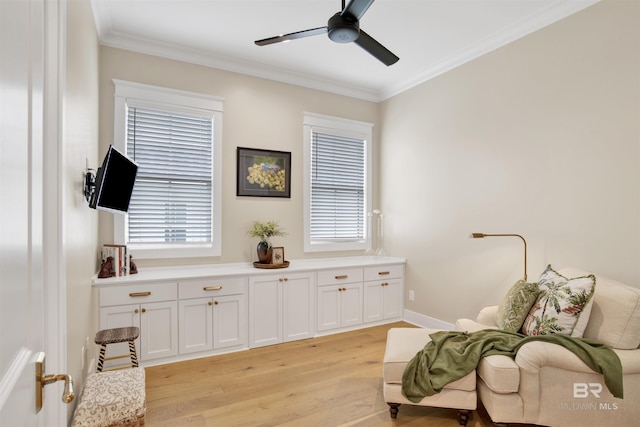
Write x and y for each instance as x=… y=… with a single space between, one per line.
x=55 y=297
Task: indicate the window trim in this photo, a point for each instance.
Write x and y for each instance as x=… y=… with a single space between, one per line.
x=177 y=100
x=341 y=127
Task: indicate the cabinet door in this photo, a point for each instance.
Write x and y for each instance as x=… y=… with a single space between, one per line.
x=393 y=294
x=329 y=298
x=265 y=311
x=351 y=305
x=229 y=321
x=196 y=323
x=374 y=301
x=339 y=306
x=298 y=306
x=119 y=316
x=158 y=330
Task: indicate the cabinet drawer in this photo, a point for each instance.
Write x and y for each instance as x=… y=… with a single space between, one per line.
x=212 y=287
x=152 y=292
x=383 y=272
x=338 y=276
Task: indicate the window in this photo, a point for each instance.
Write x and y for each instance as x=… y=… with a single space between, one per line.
x=175 y=139
x=337 y=183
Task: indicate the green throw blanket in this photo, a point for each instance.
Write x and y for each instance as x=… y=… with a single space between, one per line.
x=450 y=356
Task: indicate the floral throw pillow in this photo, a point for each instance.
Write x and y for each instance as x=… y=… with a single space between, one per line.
x=516 y=305
x=560 y=303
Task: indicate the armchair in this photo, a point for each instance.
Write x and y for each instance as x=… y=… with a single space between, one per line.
x=547 y=384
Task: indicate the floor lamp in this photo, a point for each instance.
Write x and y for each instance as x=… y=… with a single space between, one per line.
x=483 y=235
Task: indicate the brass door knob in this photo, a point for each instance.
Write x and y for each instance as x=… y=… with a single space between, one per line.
x=42 y=380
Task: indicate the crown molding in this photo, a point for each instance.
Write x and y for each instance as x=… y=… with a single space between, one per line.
x=548 y=16
x=236 y=65
x=556 y=11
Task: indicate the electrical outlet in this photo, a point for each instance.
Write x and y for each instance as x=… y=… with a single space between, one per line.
x=412 y=296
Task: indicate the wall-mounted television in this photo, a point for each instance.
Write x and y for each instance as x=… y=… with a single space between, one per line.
x=114 y=182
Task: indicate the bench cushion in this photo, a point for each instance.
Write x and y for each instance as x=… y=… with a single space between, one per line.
x=112 y=398
x=402 y=346
x=500 y=373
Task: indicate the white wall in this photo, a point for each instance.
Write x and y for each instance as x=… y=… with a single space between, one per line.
x=257 y=114
x=80 y=142
x=540 y=138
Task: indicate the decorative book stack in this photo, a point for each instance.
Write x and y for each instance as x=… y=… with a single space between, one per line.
x=116 y=261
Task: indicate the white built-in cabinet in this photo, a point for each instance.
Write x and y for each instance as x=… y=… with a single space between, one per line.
x=281 y=308
x=151 y=307
x=212 y=314
x=383 y=292
x=339 y=298
x=188 y=312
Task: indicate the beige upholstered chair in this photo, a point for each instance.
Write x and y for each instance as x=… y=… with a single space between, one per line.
x=548 y=385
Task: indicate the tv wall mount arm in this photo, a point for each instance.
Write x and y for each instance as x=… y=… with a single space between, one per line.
x=89 y=182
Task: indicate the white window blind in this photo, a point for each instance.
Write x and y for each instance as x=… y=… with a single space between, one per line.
x=338 y=188
x=172 y=199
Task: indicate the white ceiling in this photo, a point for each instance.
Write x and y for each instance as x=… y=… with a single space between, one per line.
x=429 y=36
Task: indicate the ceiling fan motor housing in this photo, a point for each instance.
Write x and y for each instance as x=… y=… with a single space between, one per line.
x=342 y=29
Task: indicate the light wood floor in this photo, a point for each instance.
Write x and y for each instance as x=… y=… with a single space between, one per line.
x=327 y=381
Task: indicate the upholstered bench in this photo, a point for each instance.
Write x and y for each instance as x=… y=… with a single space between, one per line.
x=402 y=346
x=113 y=398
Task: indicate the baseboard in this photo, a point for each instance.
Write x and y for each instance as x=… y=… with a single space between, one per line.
x=426 y=321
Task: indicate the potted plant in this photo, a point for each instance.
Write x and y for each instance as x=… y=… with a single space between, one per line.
x=265 y=231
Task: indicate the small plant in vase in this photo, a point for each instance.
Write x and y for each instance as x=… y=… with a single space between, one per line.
x=265 y=231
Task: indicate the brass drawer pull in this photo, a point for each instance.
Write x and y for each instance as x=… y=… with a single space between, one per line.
x=344 y=276
x=383 y=273
x=140 y=294
x=212 y=288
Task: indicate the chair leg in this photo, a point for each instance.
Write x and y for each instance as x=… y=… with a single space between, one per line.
x=132 y=353
x=463 y=416
x=393 y=409
x=103 y=350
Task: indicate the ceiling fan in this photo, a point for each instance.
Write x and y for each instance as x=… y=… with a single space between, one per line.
x=343 y=27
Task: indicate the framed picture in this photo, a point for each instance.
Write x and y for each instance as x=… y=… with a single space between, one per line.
x=263 y=173
x=277 y=255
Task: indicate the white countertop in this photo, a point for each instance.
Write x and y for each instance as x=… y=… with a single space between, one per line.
x=155 y=274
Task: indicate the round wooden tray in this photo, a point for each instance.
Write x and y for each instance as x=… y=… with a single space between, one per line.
x=285 y=264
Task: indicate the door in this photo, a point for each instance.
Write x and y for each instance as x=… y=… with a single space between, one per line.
x=158 y=330
x=31 y=261
x=229 y=321
x=196 y=321
x=352 y=305
x=265 y=311
x=393 y=299
x=298 y=306
x=373 y=301
x=329 y=298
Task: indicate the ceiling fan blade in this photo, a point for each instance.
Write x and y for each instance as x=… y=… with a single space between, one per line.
x=292 y=36
x=356 y=8
x=369 y=44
